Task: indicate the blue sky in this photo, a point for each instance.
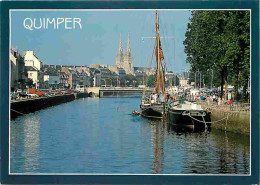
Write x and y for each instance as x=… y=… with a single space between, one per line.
x=98 y=40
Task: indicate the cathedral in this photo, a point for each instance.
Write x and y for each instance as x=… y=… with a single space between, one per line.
x=124 y=60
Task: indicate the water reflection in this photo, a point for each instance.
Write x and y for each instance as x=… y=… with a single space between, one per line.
x=209 y=152
x=31 y=144
x=233 y=152
x=101 y=136
x=158 y=147
x=216 y=152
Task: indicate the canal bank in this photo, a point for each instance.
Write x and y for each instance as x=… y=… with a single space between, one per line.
x=22 y=107
x=232 y=119
x=237 y=122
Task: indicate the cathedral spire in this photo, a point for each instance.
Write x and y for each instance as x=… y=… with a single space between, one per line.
x=120 y=45
x=128 y=49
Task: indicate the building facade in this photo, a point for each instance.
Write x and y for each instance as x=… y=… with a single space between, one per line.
x=64 y=80
x=30 y=59
x=72 y=81
x=33 y=66
x=51 y=80
x=14 y=68
x=18 y=72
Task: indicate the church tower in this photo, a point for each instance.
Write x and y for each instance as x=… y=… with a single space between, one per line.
x=124 y=59
x=128 y=59
x=120 y=55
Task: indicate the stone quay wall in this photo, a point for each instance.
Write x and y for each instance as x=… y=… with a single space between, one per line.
x=22 y=107
x=234 y=119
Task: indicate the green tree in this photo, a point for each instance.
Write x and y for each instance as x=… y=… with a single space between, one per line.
x=150 y=81
x=128 y=80
x=219 y=41
x=30 y=82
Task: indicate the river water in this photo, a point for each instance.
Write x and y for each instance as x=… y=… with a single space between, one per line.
x=99 y=135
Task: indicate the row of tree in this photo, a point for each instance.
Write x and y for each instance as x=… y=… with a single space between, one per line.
x=220 y=41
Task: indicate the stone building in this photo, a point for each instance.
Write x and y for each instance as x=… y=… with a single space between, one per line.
x=33 y=66
x=14 y=68
x=18 y=72
x=64 y=80
x=30 y=59
x=77 y=76
x=124 y=59
x=72 y=80
x=51 y=80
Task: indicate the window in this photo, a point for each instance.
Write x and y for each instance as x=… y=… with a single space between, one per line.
x=30 y=74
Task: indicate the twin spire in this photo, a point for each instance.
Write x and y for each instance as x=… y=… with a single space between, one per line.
x=124 y=59
x=128 y=48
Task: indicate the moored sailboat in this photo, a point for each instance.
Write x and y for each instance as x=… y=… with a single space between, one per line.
x=153 y=106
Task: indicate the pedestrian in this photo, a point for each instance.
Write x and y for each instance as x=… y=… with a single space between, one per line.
x=214 y=97
x=155 y=97
x=230 y=104
x=161 y=99
x=219 y=100
x=208 y=98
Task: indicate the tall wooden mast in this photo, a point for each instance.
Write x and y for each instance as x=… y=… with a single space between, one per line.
x=159 y=81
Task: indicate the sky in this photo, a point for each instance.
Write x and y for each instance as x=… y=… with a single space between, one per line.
x=98 y=40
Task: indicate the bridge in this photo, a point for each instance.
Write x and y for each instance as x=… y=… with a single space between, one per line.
x=114 y=91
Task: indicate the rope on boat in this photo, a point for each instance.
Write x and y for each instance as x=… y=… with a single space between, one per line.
x=204 y=122
x=208 y=122
x=18 y=112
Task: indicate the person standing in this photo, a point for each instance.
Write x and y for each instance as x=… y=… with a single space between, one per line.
x=229 y=96
x=219 y=100
x=155 y=97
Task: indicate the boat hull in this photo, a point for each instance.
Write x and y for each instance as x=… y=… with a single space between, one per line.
x=184 y=120
x=155 y=111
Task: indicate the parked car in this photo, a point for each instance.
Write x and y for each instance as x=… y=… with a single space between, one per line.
x=36 y=91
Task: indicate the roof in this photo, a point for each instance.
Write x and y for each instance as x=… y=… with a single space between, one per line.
x=30 y=68
x=121 y=71
x=51 y=73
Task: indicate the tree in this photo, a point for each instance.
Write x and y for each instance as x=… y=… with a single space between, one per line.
x=150 y=81
x=29 y=82
x=220 y=41
x=21 y=84
x=127 y=80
